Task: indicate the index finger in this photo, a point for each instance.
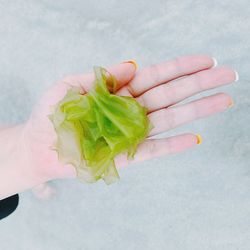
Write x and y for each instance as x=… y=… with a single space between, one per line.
x=157 y=74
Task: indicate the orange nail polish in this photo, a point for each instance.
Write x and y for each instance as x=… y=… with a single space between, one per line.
x=133 y=62
x=199 y=139
x=231 y=104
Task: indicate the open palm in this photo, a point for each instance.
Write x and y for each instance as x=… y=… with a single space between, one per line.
x=159 y=88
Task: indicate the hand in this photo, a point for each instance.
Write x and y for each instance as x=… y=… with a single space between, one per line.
x=158 y=88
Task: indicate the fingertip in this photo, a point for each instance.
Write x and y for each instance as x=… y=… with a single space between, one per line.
x=225 y=74
x=192 y=140
x=215 y=62
x=123 y=73
x=198 y=139
x=236 y=76
x=133 y=62
x=231 y=103
x=184 y=142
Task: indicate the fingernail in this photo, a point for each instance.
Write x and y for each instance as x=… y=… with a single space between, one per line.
x=236 y=76
x=199 y=139
x=231 y=103
x=215 y=62
x=133 y=62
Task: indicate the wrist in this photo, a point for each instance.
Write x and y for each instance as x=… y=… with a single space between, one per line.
x=16 y=171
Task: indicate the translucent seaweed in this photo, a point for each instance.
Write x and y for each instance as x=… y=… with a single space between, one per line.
x=92 y=129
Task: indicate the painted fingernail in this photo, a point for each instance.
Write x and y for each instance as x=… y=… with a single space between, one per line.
x=133 y=62
x=236 y=76
x=215 y=62
x=199 y=139
x=231 y=103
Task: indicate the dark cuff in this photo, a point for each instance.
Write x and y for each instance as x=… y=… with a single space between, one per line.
x=8 y=205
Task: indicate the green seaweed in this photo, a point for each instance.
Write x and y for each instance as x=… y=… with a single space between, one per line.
x=92 y=129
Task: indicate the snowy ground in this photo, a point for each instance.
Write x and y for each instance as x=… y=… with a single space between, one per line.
x=197 y=200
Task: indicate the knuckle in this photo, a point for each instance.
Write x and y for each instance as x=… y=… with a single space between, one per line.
x=198 y=81
x=177 y=64
x=170 y=146
x=141 y=99
x=169 y=118
x=196 y=110
x=169 y=93
x=152 y=147
x=154 y=73
x=130 y=89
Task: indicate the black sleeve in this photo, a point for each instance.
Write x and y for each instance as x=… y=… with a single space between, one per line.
x=8 y=205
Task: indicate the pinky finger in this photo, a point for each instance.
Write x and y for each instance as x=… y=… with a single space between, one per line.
x=153 y=148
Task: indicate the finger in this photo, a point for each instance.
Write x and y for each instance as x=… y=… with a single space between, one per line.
x=123 y=73
x=153 y=148
x=169 y=118
x=157 y=74
x=123 y=92
x=176 y=91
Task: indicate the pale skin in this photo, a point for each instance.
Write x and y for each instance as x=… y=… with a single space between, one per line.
x=26 y=157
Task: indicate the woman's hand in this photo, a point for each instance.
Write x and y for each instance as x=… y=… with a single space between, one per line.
x=159 y=88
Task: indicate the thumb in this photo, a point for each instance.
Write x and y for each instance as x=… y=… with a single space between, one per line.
x=123 y=73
